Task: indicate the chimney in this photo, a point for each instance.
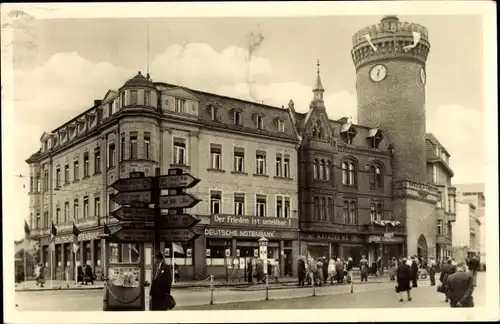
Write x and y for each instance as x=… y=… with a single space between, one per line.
x=97 y=102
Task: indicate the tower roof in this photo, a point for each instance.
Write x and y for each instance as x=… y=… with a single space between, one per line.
x=318 y=86
x=138 y=80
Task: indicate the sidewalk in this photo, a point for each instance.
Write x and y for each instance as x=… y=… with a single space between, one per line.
x=284 y=283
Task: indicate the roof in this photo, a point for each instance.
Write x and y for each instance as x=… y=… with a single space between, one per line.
x=139 y=80
x=434 y=140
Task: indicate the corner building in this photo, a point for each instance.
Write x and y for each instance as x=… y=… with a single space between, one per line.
x=243 y=152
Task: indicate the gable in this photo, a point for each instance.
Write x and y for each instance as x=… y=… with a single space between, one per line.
x=45 y=136
x=317 y=119
x=109 y=95
x=180 y=93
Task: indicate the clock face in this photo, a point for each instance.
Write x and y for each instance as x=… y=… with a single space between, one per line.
x=422 y=75
x=378 y=73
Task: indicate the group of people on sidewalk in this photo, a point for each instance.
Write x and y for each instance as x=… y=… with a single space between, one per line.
x=321 y=271
x=255 y=271
x=458 y=279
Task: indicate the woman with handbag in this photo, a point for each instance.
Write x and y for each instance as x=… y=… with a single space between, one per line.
x=403 y=277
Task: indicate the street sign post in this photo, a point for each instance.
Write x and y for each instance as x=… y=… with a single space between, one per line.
x=137 y=223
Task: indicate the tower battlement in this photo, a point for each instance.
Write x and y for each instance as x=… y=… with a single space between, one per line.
x=389 y=37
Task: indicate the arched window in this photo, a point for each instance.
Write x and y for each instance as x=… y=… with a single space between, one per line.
x=372 y=212
x=322 y=170
x=316 y=208
x=328 y=171
x=320 y=133
x=345 y=212
x=380 y=211
x=345 y=173
x=323 y=209
x=375 y=177
x=330 y=209
x=353 y=213
x=315 y=166
x=352 y=174
x=314 y=132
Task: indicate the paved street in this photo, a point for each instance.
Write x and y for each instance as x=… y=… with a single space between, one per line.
x=366 y=295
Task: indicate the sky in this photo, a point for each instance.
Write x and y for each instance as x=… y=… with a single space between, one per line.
x=62 y=65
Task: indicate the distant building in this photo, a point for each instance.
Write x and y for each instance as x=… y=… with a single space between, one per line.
x=466 y=231
x=474 y=193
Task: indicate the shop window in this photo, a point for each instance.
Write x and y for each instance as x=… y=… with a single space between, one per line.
x=215 y=254
x=215 y=202
x=182 y=253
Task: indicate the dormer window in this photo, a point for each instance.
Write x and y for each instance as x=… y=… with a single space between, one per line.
x=45 y=145
x=281 y=125
x=348 y=133
x=237 y=118
x=375 y=137
x=213 y=113
x=260 y=122
x=180 y=105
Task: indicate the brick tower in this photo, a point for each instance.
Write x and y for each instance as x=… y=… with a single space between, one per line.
x=390 y=62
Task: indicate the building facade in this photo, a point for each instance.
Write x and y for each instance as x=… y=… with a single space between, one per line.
x=244 y=153
x=466 y=234
x=439 y=174
x=474 y=194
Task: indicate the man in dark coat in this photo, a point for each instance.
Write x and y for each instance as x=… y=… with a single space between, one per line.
x=447 y=270
x=403 y=277
x=302 y=271
x=474 y=268
x=363 y=267
x=250 y=271
x=161 y=285
x=459 y=287
x=325 y=269
x=339 y=268
x=414 y=272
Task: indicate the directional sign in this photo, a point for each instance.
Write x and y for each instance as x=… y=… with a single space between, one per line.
x=133 y=234
x=177 y=221
x=134 y=214
x=174 y=181
x=133 y=184
x=177 y=235
x=126 y=198
x=178 y=201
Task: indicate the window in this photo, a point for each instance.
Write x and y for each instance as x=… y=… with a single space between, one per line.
x=260 y=160
x=76 y=170
x=239 y=159
x=279 y=206
x=373 y=214
x=375 y=140
x=37 y=221
x=375 y=177
x=111 y=155
x=322 y=174
x=286 y=167
x=348 y=173
x=323 y=209
x=75 y=209
x=85 y=207
x=261 y=206
x=122 y=95
x=179 y=151
x=438 y=202
x=58 y=215
x=133 y=97
x=260 y=122
x=330 y=209
x=215 y=202
x=97 y=207
x=46 y=179
x=281 y=125
x=110 y=108
x=316 y=169
x=66 y=211
x=147 y=145
x=380 y=211
x=147 y=98
x=286 y=211
x=86 y=163
x=434 y=173
x=122 y=148
x=180 y=105
x=46 y=219
x=439 y=227
x=97 y=160
x=213 y=113
x=58 y=177
x=237 y=118
x=279 y=172
x=349 y=212
x=216 y=154
x=349 y=135
x=239 y=203
x=316 y=208
x=133 y=146
x=38 y=183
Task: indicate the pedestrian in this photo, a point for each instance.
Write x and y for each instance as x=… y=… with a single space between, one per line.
x=89 y=276
x=161 y=286
x=474 y=267
x=393 y=267
x=414 y=272
x=460 y=286
x=447 y=270
x=349 y=266
x=177 y=275
x=325 y=269
x=403 y=277
x=379 y=266
x=339 y=269
x=431 y=265
x=363 y=267
x=249 y=271
x=276 y=271
x=79 y=273
x=319 y=272
x=374 y=268
x=269 y=269
x=301 y=269
x=40 y=275
x=331 y=270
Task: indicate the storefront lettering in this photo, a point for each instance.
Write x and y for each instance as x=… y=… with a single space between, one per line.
x=330 y=237
x=79 y=225
x=238 y=233
x=254 y=221
x=82 y=237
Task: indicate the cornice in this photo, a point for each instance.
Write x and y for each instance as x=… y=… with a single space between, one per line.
x=405 y=195
x=362 y=151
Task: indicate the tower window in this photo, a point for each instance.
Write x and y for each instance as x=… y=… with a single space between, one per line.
x=133 y=146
